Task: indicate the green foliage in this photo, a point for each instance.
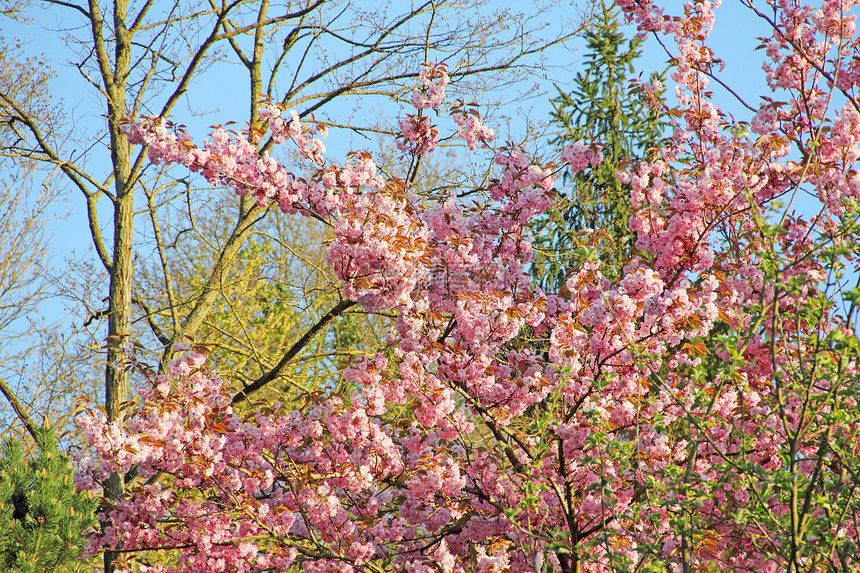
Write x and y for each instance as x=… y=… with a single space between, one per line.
x=42 y=516
x=607 y=106
x=277 y=288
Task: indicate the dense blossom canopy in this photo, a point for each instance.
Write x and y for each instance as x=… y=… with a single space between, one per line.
x=700 y=411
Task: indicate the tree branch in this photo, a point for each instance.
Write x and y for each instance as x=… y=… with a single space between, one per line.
x=338 y=309
x=150 y=320
x=20 y=411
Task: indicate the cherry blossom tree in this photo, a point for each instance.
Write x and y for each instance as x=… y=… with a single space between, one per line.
x=697 y=413
x=132 y=58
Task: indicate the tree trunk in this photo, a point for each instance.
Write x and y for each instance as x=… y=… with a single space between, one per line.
x=114 y=73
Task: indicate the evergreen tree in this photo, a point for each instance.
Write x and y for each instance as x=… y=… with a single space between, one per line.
x=42 y=515
x=606 y=106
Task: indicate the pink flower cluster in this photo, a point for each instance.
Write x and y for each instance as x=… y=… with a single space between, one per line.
x=431 y=92
x=234 y=161
x=417 y=135
x=378 y=249
x=472 y=130
x=257 y=474
x=579 y=155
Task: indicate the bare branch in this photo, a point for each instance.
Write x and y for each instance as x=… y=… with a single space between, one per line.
x=290 y=354
x=20 y=411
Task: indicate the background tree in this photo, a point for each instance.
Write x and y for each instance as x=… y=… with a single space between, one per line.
x=24 y=80
x=611 y=106
x=42 y=516
x=34 y=374
x=279 y=283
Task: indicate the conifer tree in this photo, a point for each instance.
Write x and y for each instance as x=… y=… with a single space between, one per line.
x=610 y=107
x=42 y=515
